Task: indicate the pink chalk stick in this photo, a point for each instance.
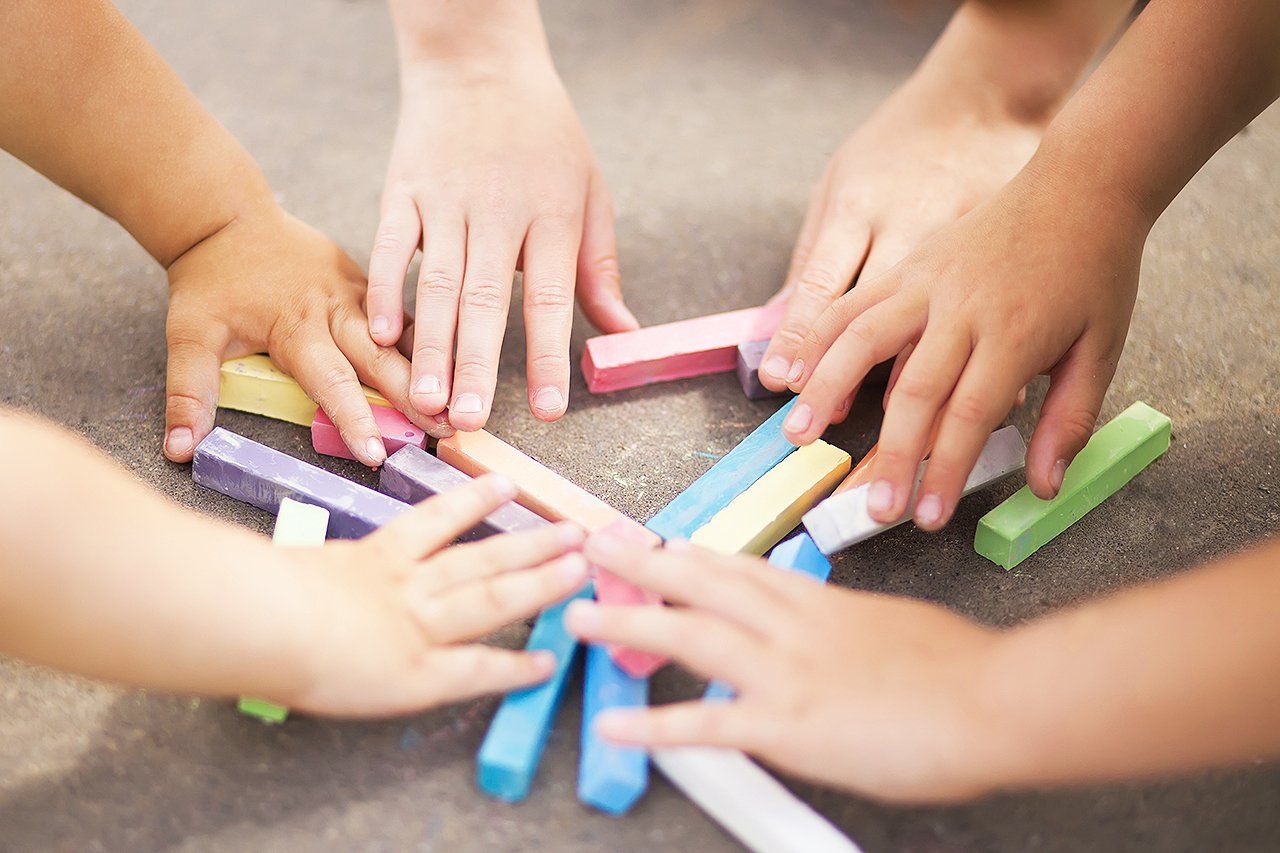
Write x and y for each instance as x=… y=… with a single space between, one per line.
x=397 y=431
x=611 y=589
x=675 y=350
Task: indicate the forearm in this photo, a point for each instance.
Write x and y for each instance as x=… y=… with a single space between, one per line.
x=102 y=577
x=479 y=38
x=1169 y=677
x=86 y=101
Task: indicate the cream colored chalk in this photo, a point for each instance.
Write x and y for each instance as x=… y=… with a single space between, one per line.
x=254 y=384
x=757 y=519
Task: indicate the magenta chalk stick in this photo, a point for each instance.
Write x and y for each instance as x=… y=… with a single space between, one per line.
x=396 y=430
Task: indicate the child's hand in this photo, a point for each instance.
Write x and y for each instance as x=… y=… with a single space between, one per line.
x=391 y=620
x=487 y=174
x=267 y=282
x=1041 y=279
x=867 y=692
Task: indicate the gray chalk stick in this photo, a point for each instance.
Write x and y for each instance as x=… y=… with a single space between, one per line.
x=749 y=356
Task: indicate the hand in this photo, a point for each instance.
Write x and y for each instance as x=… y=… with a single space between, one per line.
x=267 y=282
x=392 y=617
x=870 y=693
x=487 y=174
x=1041 y=279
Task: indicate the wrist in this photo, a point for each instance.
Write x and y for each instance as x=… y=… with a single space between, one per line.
x=485 y=39
x=1077 y=173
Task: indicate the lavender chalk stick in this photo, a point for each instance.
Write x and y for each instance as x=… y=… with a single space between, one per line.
x=411 y=474
x=258 y=475
x=750 y=354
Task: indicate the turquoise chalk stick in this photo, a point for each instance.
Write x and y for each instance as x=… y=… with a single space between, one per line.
x=610 y=778
x=512 y=748
x=800 y=553
x=764 y=448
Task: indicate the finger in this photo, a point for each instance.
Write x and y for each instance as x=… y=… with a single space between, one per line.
x=981 y=399
x=826 y=275
x=482 y=321
x=804 y=242
x=550 y=254
x=717 y=724
x=436 y=313
x=837 y=319
x=870 y=338
x=464 y=672
x=899 y=362
x=599 y=280
x=498 y=554
x=470 y=610
x=923 y=388
x=1077 y=387
x=885 y=253
x=196 y=350
x=393 y=250
x=437 y=521
x=704 y=644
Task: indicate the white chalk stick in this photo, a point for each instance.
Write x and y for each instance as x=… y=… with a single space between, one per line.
x=842 y=519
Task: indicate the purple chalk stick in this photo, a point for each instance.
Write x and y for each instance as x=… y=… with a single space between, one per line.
x=258 y=475
x=750 y=354
x=411 y=474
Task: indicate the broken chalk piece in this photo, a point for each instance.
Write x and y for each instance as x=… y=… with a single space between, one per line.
x=748 y=803
x=256 y=474
x=610 y=777
x=732 y=475
x=1115 y=454
x=750 y=354
x=254 y=384
x=540 y=489
x=685 y=348
x=512 y=748
x=755 y=520
x=611 y=589
x=412 y=475
x=396 y=430
x=842 y=519
x=298 y=525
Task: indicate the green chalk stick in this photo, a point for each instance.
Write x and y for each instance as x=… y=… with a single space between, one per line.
x=268 y=712
x=1018 y=527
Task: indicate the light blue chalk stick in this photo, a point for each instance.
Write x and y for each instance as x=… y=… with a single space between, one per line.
x=509 y=756
x=765 y=447
x=610 y=778
x=799 y=553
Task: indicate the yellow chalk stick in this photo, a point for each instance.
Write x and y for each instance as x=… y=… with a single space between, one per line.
x=757 y=519
x=254 y=384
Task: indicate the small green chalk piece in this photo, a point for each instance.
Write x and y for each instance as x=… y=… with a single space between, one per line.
x=1115 y=454
x=268 y=712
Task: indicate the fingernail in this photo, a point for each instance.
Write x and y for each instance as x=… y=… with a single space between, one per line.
x=929 y=509
x=427 y=385
x=799 y=419
x=543 y=660
x=375 y=451
x=582 y=616
x=570 y=534
x=502 y=486
x=776 y=366
x=616 y=724
x=380 y=325
x=604 y=546
x=797 y=370
x=679 y=544
x=1057 y=474
x=466 y=404
x=880 y=496
x=572 y=567
x=548 y=399
x=181 y=440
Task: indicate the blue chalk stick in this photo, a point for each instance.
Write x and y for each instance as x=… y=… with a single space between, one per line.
x=509 y=756
x=765 y=447
x=799 y=553
x=610 y=778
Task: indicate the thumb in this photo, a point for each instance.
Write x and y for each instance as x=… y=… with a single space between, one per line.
x=191 y=394
x=1076 y=388
x=599 y=281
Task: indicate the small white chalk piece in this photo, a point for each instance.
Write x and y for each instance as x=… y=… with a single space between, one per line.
x=750 y=804
x=842 y=519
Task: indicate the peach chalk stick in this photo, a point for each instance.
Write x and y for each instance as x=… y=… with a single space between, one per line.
x=611 y=589
x=675 y=350
x=396 y=430
x=861 y=472
x=254 y=384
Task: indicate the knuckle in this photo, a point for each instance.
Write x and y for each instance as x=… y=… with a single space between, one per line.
x=430 y=352
x=820 y=280
x=388 y=241
x=177 y=401
x=550 y=293
x=560 y=217
x=968 y=410
x=548 y=363
x=605 y=266
x=485 y=295
x=917 y=389
x=1076 y=422
x=473 y=370
x=435 y=283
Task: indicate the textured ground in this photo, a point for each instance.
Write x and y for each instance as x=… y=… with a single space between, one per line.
x=711 y=119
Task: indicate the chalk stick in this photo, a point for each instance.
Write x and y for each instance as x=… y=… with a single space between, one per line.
x=755 y=520
x=412 y=475
x=540 y=489
x=1114 y=455
x=396 y=431
x=750 y=354
x=611 y=589
x=748 y=803
x=298 y=525
x=512 y=748
x=746 y=463
x=676 y=350
x=842 y=519
x=256 y=474
x=254 y=384
x=610 y=778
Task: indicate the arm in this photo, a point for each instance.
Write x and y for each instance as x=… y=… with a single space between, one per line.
x=489 y=165
x=904 y=700
x=117 y=583
x=86 y=101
